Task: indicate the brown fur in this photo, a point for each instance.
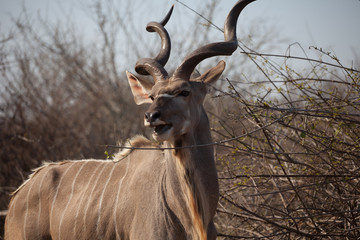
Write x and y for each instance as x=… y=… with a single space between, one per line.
x=136 y=142
x=141 y=194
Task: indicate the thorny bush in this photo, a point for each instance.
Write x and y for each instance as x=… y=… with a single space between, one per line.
x=291 y=172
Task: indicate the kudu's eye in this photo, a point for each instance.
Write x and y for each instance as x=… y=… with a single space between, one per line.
x=151 y=97
x=184 y=93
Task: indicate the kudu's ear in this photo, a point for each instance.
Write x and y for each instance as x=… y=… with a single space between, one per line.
x=140 y=88
x=212 y=74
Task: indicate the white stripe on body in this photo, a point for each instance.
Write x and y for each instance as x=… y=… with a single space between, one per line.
x=91 y=193
x=71 y=195
x=27 y=209
x=13 y=207
x=101 y=200
x=57 y=189
x=84 y=197
x=117 y=198
x=39 y=196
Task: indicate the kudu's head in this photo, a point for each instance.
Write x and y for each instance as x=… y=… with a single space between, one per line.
x=176 y=101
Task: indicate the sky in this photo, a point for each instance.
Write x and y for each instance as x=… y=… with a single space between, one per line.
x=330 y=24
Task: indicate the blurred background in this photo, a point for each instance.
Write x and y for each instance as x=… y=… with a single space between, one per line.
x=286 y=110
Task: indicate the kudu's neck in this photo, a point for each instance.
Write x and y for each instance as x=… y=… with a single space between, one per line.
x=192 y=178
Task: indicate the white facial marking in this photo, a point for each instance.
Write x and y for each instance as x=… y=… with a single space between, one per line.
x=146 y=123
x=166 y=95
x=157 y=122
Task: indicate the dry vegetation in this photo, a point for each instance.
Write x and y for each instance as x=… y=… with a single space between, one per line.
x=288 y=149
x=292 y=171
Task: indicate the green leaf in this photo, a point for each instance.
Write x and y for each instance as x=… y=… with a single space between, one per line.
x=303 y=134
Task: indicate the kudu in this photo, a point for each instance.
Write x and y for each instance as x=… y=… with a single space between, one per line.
x=169 y=193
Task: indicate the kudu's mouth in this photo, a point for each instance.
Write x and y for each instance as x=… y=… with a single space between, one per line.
x=161 y=129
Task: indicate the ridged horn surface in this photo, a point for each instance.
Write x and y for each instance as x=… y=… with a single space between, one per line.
x=155 y=67
x=227 y=47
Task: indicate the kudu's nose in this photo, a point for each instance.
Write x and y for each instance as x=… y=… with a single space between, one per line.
x=152 y=116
